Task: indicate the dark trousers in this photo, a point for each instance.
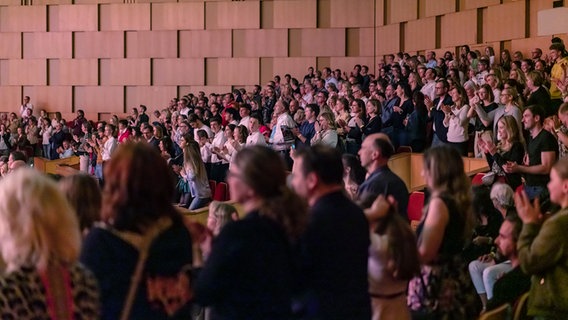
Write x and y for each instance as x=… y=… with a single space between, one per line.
x=219 y=171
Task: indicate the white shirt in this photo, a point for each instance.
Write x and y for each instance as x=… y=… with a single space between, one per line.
x=219 y=142
x=276 y=136
x=429 y=89
x=256 y=138
x=108 y=148
x=457 y=128
x=203 y=127
x=245 y=122
x=206 y=152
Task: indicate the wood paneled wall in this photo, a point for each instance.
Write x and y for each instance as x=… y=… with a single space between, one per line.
x=105 y=56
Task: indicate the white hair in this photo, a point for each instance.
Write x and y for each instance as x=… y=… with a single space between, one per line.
x=502 y=195
x=37 y=224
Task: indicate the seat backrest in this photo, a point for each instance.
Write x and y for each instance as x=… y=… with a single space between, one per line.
x=500 y=313
x=477 y=179
x=520 y=310
x=212 y=186
x=220 y=192
x=415 y=205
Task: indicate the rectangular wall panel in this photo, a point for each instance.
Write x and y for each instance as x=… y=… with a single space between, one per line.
x=317 y=42
x=387 y=39
x=438 y=7
x=224 y=71
x=24 y=72
x=73 y=18
x=154 y=97
x=116 y=17
x=401 y=10
x=93 y=99
x=232 y=15
x=207 y=43
x=504 y=22
x=380 y=13
x=473 y=4
x=535 y=8
x=176 y=72
x=348 y=13
x=296 y=67
x=348 y=63
x=420 y=34
x=183 y=90
x=118 y=72
x=47 y=45
x=260 y=43
x=81 y=72
x=294 y=13
x=151 y=44
x=11 y=98
x=454 y=30
x=105 y=44
x=526 y=46
x=10 y=45
x=178 y=16
x=12 y=18
x=360 y=42
x=52 y=98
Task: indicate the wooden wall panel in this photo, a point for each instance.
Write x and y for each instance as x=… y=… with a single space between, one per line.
x=10 y=45
x=420 y=34
x=93 y=99
x=473 y=4
x=232 y=15
x=125 y=72
x=207 y=43
x=116 y=17
x=105 y=44
x=73 y=18
x=401 y=10
x=260 y=43
x=151 y=44
x=47 y=45
x=207 y=89
x=317 y=42
x=504 y=22
x=236 y=71
x=52 y=98
x=52 y=2
x=387 y=39
x=527 y=45
x=535 y=7
x=174 y=72
x=154 y=97
x=380 y=13
x=454 y=31
x=359 y=42
x=97 y=1
x=24 y=72
x=438 y=7
x=11 y=98
x=360 y=13
x=178 y=16
x=294 y=13
x=296 y=67
x=23 y=19
x=80 y=72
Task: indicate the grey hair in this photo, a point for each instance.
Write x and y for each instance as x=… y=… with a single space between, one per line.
x=502 y=195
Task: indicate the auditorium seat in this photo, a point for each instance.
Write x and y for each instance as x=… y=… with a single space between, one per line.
x=414 y=210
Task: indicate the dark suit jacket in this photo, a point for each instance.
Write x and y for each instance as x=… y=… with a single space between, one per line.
x=438 y=115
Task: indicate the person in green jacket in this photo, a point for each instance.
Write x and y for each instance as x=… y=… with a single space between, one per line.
x=543 y=248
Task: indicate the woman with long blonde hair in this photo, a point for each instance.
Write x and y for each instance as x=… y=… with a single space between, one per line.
x=195 y=174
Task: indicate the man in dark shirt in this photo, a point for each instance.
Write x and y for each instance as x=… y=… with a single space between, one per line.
x=435 y=113
x=334 y=249
x=542 y=151
x=375 y=152
x=515 y=282
x=306 y=131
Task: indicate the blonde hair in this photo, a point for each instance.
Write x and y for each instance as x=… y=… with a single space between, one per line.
x=222 y=213
x=37 y=224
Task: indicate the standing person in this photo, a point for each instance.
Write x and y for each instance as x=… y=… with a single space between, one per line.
x=559 y=57
x=219 y=166
x=456 y=120
x=542 y=248
x=249 y=272
x=436 y=114
x=137 y=209
x=375 y=153
x=40 y=247
x=414 y=134
x=542 y=152
x=195 y=174
x=444 y=289
x=281 y=136
x=334 y=248
x=45 y=132
x=483 y=103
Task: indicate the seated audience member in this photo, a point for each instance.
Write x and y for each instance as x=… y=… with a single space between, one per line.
x=84 y=196
x=40 y=247
x=325 y=131
x=514 y=283
x=66 y=150
x=220 y=214
x=137 y=212
x=257 y=248
x=353 y=175
x=255 y=137
x=542 y=248
x=393 y=260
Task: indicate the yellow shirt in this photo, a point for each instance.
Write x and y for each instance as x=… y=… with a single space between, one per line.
x=557 y=72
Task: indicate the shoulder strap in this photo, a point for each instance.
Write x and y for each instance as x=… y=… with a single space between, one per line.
x=142 y=243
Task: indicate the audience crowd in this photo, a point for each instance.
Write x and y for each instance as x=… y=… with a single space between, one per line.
x=325 y=233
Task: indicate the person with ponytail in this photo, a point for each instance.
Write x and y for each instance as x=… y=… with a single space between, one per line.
x=249 y=273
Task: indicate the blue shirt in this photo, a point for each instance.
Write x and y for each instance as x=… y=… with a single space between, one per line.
x=384 y=181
